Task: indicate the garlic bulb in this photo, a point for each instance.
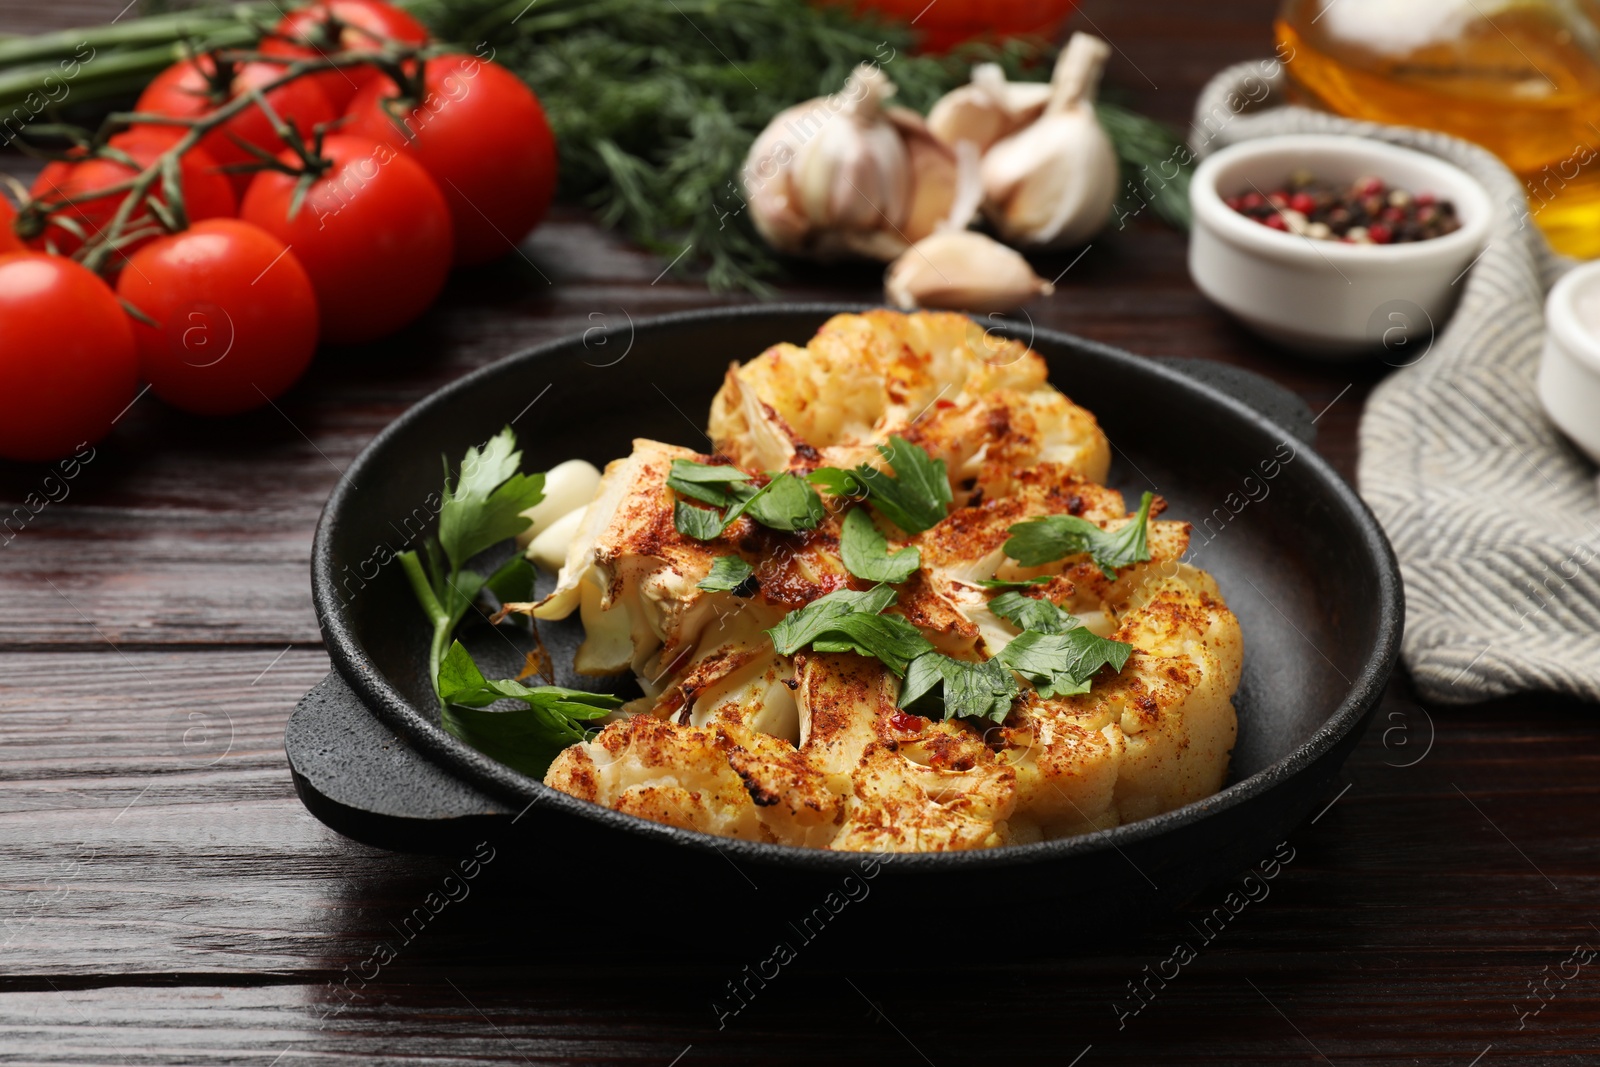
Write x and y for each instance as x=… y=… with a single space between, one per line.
x=986 y=109
x=844 y=175
x=963 y=271
x=1054 y=182
x=854 y=173
x=832 y=177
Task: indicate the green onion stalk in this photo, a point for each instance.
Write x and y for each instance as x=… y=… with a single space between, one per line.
x=654 y=105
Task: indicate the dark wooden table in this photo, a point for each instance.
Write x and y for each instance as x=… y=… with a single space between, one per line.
x=164 y=898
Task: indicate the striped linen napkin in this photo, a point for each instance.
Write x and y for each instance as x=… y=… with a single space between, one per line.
x=1493 y=514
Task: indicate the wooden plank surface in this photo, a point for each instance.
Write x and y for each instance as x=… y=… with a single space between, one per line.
x=165 y=898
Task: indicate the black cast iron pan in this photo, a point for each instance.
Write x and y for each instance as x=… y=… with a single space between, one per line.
x=1298 y=556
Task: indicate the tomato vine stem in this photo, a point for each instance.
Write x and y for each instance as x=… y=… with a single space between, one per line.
x=139 y=190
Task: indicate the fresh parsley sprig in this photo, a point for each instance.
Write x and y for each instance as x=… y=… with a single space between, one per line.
x=799 y=628
x=711 y=483
x=1060 y=656
x=915 y=497
x=729 y=574
x=1032 y=613
x=852 y=621
x=1055 y=651
x=891 y=639
x=482 y=508
x=785 y=503
x=865 y=551
x=1062 y=664
x=940 y=687
x=1039 y=541
x=526 y=738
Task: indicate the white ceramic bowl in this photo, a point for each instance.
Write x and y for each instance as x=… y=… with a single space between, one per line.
x=1328 y=298
x=1569 y=373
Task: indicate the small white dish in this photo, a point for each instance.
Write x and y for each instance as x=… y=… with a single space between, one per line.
x=1327 y=298
x=1569 y=372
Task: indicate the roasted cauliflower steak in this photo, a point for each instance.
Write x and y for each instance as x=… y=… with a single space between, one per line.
x=812 y=750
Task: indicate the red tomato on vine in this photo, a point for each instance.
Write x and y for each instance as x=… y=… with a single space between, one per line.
x=480 y=132
x=373 y=232
x=207 y=193
x=235 y=316
x=67 y=362
x=343 y=25
x=185 y=90
x=9 y=241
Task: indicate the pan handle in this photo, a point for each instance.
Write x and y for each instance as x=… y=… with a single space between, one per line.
x=363 y=780
x=1281 y=405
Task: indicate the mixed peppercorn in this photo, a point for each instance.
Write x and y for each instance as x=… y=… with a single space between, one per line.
x=1366 y=211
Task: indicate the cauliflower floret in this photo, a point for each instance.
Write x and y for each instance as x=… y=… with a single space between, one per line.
x=1154 y=737
x=725 y=780
x=912 y=785
x=864 y=777
x=973 y=399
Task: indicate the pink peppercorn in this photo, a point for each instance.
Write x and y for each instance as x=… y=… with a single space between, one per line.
x=1365 y=211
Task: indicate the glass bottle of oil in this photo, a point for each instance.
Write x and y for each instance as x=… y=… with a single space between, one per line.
x=1520 y=77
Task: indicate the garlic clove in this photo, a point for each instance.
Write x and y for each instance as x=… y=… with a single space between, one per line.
x=568 y=487
x=946 y=189
x=549 y=548
x=969 y=188
x=986 y=109
x=962 y=271
x=1054 y=182
x=1027 y=100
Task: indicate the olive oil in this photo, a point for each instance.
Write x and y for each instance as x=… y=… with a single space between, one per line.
x=1521 y=78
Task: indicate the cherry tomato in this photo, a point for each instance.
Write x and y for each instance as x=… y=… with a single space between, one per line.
x=373 y=233
x=67 y=361
x=236 y=316
x=9 y=241
x=483 y=136
x=207 y=193
x=348 y=25
x=183 y=90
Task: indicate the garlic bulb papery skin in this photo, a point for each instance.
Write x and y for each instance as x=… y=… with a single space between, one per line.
x=832 y=176
x=1054 y=182
x=961 y=270
x=987 y=108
